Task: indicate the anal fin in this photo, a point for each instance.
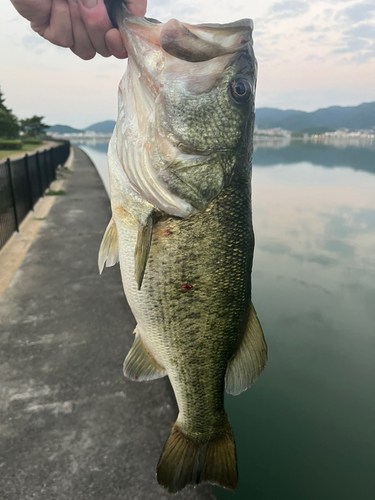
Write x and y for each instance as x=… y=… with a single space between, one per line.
x=139 y=365
x=142 y=248
x=250 y=359
x=109 y=250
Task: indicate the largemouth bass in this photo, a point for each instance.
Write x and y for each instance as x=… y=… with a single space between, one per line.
x=181 y=228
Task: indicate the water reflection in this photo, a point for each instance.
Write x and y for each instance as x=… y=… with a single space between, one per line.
x=325 y=155
x=305 y=431
x=100 y=144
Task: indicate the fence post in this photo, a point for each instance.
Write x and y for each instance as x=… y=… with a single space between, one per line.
x=53 y=170
x=12 y=195
x=28 y=180
x=46 y=167
x=41 y=191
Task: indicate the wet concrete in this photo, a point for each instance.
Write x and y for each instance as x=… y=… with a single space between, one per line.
x=71 y=426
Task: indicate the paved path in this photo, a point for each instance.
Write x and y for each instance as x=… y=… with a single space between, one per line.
x=71 y=426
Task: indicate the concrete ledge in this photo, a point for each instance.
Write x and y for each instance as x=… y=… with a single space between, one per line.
x=71 y=426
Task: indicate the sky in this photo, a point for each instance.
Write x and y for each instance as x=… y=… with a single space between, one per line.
x=311 y=55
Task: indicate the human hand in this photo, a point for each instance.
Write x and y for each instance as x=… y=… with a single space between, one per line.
x=81 y=25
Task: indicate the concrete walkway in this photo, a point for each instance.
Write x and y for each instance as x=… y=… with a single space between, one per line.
x=71 y=426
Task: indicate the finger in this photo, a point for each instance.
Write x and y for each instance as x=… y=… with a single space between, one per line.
x=82 y=46
x=39 y=16
x=97 y=23
x=115 y=44
x=59 y=31
x=137 y=7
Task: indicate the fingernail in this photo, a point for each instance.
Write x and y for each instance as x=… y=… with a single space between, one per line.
x=89 y=4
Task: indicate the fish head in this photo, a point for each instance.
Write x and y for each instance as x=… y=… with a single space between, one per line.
x=186 y=109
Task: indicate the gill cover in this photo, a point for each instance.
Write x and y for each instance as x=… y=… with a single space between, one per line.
x=170 y=64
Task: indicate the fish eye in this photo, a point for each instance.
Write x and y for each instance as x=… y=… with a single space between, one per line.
x=240 y=90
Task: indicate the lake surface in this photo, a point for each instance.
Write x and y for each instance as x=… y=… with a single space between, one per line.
x=306 y=429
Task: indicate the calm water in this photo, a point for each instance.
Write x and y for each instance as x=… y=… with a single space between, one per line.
x=306 y=429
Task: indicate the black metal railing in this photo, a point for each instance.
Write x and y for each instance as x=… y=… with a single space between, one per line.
x=23 y=182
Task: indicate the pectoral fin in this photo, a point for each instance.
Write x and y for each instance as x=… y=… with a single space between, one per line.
x=139 y=365
x=142 y=248
x=108 y=252
x=250 y=359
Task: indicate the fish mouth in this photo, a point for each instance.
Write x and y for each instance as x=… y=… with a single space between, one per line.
x=191 y=43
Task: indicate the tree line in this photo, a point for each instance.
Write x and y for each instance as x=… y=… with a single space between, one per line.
x=11 y=126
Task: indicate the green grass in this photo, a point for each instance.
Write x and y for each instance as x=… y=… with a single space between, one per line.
x=13 y=144
x=51 y=192
x=26 y=148
x=32 y=140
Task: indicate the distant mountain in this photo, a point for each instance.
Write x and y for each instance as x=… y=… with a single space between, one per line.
x=320 y=121
x=333 y=118
x=105 y=127
x=63 y=129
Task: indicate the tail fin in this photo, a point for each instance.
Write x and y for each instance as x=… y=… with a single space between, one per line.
x=185 y=461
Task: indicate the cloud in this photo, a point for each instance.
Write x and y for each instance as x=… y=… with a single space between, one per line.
x=315 y=58
x=288 y=9
x=358 y=12
x=340 y=248
x=362 y=57
x=276 y=248
x=362 y=31
x=308 y=29
x=35 y=43
x=321 y=259
x=358 y=43
x=352 y=45
x=320 y=39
